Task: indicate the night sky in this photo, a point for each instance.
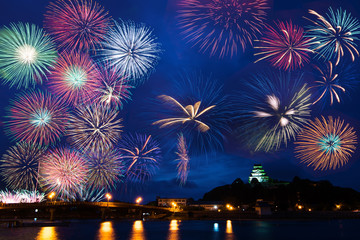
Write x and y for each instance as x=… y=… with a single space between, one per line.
x=206 y=172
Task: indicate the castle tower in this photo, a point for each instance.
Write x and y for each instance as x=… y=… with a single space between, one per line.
x=258 y=173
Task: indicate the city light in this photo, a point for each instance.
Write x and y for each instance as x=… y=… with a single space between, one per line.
x=229 y=207
x=174 y=205
x=108 y=196
x=51 y=195
x=138 y=200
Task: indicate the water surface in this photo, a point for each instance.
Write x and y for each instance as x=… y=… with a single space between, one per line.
x=179 y=230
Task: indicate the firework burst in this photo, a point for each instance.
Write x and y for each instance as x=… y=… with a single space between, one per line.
x=198 y=109
x=132 y=49
x=191 y=113
x=183 y=159
x=272 y=110
x=37 y=117
x=326 y=143
x=26 y=54
x=77 y=24
x=75 y=78
x=31 y=196
x=94 y=127
x=19 y=166
x=63 y=171
x=334 y=34
x=114 y=89
x=221 y=27
x=141 y=155
x=9 y=197
x=89 y=194
x=21 y=196
x=284 y=47
x=332 y=82
x=105 y=168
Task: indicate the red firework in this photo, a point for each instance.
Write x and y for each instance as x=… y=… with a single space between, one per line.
x=75 y=78
x=38 y=117
x=284 y=47
x=63 y=171
x=76 y=24
x=221 y=27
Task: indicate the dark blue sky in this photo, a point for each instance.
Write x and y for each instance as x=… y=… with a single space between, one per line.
x=224 y=167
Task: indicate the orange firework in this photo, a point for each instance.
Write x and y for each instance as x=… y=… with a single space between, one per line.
x=326 y=143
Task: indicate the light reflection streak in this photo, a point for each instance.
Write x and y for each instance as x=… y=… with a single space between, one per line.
x=106 y=231
x=47 y=233
x=216 y=227
x=173 y=230
x=138 y=232
x=229 y=231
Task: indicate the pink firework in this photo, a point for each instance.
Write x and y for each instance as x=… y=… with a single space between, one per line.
x=75 y=78
x=37 y=117
x=221 y=27
x=114 y=90
x=63 y=171
x=76 y=24
x=182 y=159
x=284 y=47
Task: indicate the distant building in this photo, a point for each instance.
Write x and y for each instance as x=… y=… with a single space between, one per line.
x=208 y=205
x=258 y=173
x=167 y=202
x=262 y=207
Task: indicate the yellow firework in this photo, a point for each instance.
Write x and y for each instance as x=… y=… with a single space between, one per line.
x=326 y=143
x=190 y=113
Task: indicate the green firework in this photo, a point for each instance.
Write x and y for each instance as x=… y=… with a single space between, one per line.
x=26 y=54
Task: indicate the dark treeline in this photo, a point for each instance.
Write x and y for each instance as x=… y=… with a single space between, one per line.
x=320 y=195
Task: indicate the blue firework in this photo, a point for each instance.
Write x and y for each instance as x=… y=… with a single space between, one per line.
x=332 y=83
x=105 y=168
x=335 y=34
x=132 y=48
x=141 y=155
x=330 y=143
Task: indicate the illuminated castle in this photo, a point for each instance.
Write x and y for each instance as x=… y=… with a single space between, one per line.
x=258 y=173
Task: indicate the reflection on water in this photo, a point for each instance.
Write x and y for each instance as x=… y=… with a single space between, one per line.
x=106 y=231
x=137 y=232
x=189 y=230
x=216 y=227
x=229 y=231
x=174 y=230
x=263 y=229
x=228 y=227
x=47 y=233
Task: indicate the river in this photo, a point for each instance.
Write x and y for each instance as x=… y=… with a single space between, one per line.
x=199 y=230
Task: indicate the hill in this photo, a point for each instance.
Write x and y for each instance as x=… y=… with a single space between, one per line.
x=321 y=195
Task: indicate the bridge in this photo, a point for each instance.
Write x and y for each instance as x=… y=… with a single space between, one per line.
x=63 y=210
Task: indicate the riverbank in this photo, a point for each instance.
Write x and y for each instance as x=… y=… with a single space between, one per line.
x=108 y=213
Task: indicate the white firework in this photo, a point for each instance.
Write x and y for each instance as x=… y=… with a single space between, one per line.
x=132 y=48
